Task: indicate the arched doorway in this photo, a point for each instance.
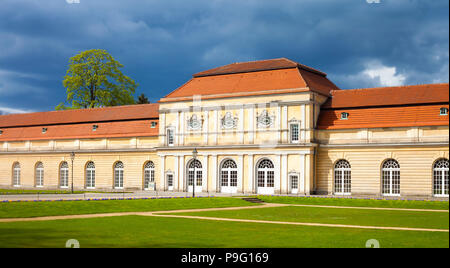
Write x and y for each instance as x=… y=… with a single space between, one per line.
x=195 y=175
x=342 y=178
x=440 y=178
x=265 y=177
x=228 y=177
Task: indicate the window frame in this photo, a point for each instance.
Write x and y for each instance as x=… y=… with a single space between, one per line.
x=61 y=169
x=39 y=175
x=291 y=133
x=170 y=138
x=92 y=172
x=119 y=175
x=17 y=170
x=393 y=173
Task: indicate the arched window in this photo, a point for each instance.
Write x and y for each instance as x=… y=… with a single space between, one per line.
x=64 y=175
x=440 y=178
x=16 y=174
x=149 y=176
x=90 y=175
x=265 y=177
x=39 y=174
x=118 y=175
x=228 y=176
x=195 y=172
x=391 y=178
x=342 y=178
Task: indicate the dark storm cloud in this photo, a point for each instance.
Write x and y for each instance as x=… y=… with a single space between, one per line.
x=161 y=43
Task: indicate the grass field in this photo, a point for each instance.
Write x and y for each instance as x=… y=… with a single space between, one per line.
x=138 y=231
x=347 y=202
x=384 y=218
x=151 y=231
x=40 y=209
x=44 y=192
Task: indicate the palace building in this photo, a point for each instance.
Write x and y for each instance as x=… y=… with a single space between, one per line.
x=263 y=127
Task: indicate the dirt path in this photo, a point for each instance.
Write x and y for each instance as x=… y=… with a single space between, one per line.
x=371 y=208
x=101 y=215
x=303 y=223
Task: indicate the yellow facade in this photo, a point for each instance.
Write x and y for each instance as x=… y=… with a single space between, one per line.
x=229 y=129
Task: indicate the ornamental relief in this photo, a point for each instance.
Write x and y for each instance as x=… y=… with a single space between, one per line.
x=265 y=120
x=228 y=121
x=195 y=123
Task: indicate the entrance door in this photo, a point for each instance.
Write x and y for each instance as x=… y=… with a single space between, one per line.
x=228 y=177
x=195 y=175
x=265 y=177
x=342 y=178
x=293 y=181
x=170 y=182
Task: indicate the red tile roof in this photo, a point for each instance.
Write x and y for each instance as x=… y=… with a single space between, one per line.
x=386 y=96
x=257 y=66
x=405 y=106
x=400 y=116
x=96 y=115
x=117 y=129
x=253 y=78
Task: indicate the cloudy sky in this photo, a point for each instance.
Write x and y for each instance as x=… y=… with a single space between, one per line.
x=163 y=42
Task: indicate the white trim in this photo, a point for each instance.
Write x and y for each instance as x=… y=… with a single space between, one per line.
x=215 y=183
x=250 y=173
x=284 y=173
x=265 y=152
x=162 y=172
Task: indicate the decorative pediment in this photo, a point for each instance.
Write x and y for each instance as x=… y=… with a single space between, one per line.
x=264 y=119
x=195 y=123
x=229 y=121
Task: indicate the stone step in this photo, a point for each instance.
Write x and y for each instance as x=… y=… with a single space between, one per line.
x=253 y=200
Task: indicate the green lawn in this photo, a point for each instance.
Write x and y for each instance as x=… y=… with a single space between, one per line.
x=39 y=209
x=414 y=219
x=347 y=202
x=23 y=191
x=139 y=231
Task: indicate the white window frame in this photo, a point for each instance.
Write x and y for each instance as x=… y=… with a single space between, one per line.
x=39 y=175
x=90 y=171
x=172 y=130
x=444 y=173
x=119 y=170
x=170 y=187
x=61 y=176
x=229 y=173
x=340 y=175
x=291 y=124
x=345 y=116
x=291 y=189
x=16 y=175
x=149 y=169
x=443 y=111
x=390 y=171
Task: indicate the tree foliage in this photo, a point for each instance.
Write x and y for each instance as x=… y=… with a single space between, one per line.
x=94 y=79
x=142 y=99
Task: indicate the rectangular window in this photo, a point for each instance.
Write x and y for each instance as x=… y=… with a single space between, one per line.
x=444 y=111
x=170 y=137
x=294 y=133
x=170 y=180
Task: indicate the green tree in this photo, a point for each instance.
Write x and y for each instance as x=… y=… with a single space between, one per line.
x=142 y=99
x=94 y=79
